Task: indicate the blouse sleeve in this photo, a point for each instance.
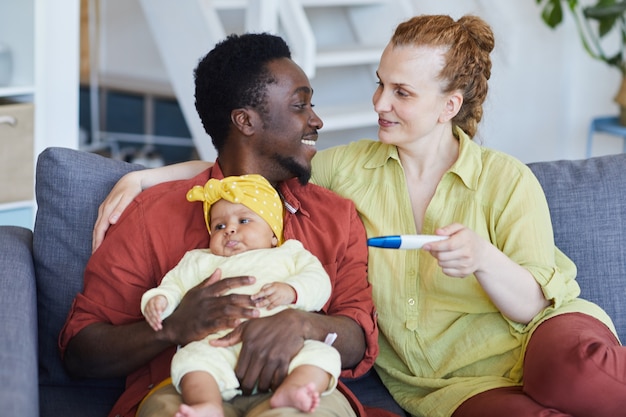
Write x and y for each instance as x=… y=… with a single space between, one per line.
x=523 y=231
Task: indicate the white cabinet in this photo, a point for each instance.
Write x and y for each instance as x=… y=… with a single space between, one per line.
x=39 y=100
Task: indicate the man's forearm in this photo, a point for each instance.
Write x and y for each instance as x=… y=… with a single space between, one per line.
x=105 y=351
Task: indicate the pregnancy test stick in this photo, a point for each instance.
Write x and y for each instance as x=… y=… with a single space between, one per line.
x=403 y=241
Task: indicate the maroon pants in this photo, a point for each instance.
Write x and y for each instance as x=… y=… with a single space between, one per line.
x=574 y=367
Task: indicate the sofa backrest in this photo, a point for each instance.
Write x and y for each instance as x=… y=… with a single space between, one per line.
x=70 y=185
x=587 y=200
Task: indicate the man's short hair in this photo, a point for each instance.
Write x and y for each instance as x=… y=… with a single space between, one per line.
x=234 y=75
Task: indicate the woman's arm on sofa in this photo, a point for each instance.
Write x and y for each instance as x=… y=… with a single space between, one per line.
x=131 y=184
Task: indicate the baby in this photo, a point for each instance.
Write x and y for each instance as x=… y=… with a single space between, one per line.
x=244 y=216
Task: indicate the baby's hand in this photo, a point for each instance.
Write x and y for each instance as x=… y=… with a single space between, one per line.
x=274 y=295
x=154 y=309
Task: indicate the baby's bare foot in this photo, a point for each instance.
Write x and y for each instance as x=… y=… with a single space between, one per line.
x=304 y=398
x=200 y=410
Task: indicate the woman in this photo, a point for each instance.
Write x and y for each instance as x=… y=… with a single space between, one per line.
x=486 y=322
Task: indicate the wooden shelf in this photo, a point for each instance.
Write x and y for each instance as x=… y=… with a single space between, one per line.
x=17 y=90
x=18 y=205
x=43 y=37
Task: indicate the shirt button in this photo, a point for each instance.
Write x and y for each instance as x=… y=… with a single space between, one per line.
x=150 y=386
x=411 y=301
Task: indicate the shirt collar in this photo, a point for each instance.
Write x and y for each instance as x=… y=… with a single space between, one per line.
x=290 y=200
x=216 y=170
x=467 y=167
x=469 y=164
x=285 y=190
x=381 y=156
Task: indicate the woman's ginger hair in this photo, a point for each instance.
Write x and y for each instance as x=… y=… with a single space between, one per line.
x=467 y=68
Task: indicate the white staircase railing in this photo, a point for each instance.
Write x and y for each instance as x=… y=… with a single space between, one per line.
x=299 y=34
x=186 y=30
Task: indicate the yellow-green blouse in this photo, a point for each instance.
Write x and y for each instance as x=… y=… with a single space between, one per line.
x=441 y=338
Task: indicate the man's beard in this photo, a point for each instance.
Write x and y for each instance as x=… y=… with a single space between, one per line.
x=302 y=173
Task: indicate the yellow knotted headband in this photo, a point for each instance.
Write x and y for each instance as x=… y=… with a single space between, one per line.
x=253 y=191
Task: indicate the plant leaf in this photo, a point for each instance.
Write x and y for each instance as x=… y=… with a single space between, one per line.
x=605 y=9
x=552 y=13
x=606 y=13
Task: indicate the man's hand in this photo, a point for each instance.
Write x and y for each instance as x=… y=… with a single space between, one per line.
x=205 y=309
x=102 y=350
x=268 y=345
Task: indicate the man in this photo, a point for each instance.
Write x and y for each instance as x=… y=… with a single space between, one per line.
x=255 y=102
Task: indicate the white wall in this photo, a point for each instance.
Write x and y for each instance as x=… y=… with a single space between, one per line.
x=544 y=89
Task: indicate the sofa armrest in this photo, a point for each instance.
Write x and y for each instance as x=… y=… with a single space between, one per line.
x=18 y=320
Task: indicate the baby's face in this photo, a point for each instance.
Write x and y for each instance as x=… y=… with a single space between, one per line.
x=235 y=229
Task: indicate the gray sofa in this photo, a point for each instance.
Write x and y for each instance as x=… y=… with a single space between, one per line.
x=42 y=270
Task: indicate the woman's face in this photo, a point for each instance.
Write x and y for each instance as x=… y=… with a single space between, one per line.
x=408 y=100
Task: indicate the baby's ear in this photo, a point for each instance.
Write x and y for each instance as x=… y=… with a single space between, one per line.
x=274 y=241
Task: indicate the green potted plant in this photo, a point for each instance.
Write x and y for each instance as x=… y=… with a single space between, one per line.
x=602 y=31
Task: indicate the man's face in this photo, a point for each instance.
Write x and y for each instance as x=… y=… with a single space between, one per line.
x=290 y=125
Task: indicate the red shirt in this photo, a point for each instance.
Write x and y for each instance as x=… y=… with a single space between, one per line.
x=161 y=225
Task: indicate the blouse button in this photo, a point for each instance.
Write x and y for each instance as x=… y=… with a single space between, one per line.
x=411 y=301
